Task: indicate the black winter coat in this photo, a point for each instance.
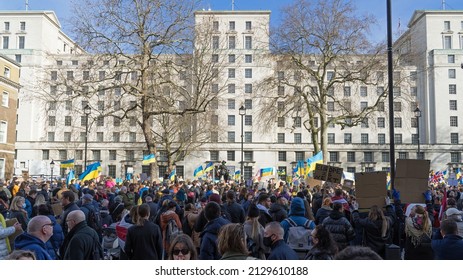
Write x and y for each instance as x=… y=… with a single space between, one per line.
x=236 y=212
x=144 y=242
x=278 y=212
x=341 y=229
x=81 y=243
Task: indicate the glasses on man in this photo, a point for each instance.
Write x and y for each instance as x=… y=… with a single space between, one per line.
x=51 y=224
x=178 y=251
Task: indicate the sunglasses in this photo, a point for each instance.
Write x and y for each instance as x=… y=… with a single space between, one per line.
x=183 y=251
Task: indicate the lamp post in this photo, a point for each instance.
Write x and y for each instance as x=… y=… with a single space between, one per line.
x=390 y=71
x=418 y=115
x=242 y=112
x=52 y=166
x=87 y=111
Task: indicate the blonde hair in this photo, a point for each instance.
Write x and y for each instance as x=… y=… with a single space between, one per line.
x=326 y=201
x=17 y=202
x=39 y=200
x=232 y=238
x=376 y=213
x=426 y=222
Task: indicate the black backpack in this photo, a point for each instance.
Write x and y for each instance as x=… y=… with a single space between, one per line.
x=186 y=226
x=94 y=220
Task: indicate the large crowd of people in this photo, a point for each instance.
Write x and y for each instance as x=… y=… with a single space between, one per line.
x=205 y=220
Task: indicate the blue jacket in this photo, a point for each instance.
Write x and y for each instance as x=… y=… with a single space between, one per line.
x=208 y=249
x=281 y=251
x=296 y=213
x=25 y=241
x=56 y=239
x=449 y=248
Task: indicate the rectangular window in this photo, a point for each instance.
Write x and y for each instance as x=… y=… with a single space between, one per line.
x=398 y=138
x=281 y=156
x=247 y=88
x=215 y=25
x=215 y=58
x=331 y=138
x=248 y=58
x=454 y=139
x=3 y=131
x=398 y=122
x=451 y=58
x=231 y=104
x=116 y=137
x=231 y=120
x=396 y=91
x=248 y=156
x=231 y=58
x=368 y=157
x=453 y=105
x=364 y=123
x=231 y=88
x=413 y=91
x=346 y=91
x=452 y=74
x=381 y=138
x=231 y=42
x=231 y=155
x=248 y=73
x=215 y=120
x=446 y=25
x=347 y=138
x=351 y=169
x=280 y=138
x=248 y=25
x=215 y=42
x=453 y=121
x=350 y=156
x=381 y=122
x=364 y=138
x=67 y=121
x=248 y=137
x=130 y=155
x=63 y=155
x=70 y=75
x=100 y=121
x=363 y=105
x=214 y=155
x=414 y=139
x=45 y=154
x=82 y=136
x=281 y=122
x=51 y=120
x=403 y=155
x=297 y=138
x=299 y=156
x=231 y=73
x=99 y=137
x=6 y=42
x=112 y=155
x=5 y=99
x=50 y=136
x=380 y=91
x=381 y=106
x=397 y=106
x=363 y=91
x=231 y=25
x=21 y=42
x=248 y=42
x=231 y=137
x=452 y=89
x=132 y=137
x=18 y=58
x=330 y=106
x=455 y=157
x=334 y=156
x=385 y=156
x=248 y=120
x=330 y=76
x=248 y=104
x=6 y=25
x=447 y=42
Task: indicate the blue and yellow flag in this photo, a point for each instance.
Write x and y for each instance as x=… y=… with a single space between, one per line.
x=67 y=163
x=209 y=166
x=301 y=170
x=92 y=172
x=148 y=159
x=71 y=175
x=311 y=162
x=172 y=175
x=198 y=171
x=237 y=175
x=267 y=171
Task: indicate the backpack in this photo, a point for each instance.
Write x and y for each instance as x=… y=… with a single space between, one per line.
x=299 y=236
x=186 y=226
x=94 y=220
x=171 y=230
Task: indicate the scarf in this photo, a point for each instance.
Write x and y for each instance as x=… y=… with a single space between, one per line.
x=414 y=229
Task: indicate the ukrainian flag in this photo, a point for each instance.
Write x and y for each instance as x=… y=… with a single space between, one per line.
x=92 y=172
x=301 y=170
x=267 y=171
x=311 y=162
x=67 y=163
x=71 y=175
x=198 y=171
x=209 y=167
x=172 y=175
x=458 y=173
x=148 y=159
x=237 y=174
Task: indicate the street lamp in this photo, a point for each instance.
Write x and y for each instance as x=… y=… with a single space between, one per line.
x=418 y=115
x=87 y=111
x=242 y=112
x=52 y=166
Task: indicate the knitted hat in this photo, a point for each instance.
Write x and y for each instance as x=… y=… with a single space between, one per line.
x=452 y=211
x=253 y=211
x=216 y=198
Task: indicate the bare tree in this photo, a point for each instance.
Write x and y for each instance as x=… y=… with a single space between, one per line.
x=323 y=56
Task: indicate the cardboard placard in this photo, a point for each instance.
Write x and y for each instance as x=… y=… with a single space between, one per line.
x=10 y=223
x=334 y=175
x=312 y=182
x=321 y=172
x=370 y=188
x=327 y=173
x=57 y=209
x=412 y=168
x=412 y=179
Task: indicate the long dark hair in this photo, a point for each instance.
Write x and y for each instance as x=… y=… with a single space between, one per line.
x=325 y=240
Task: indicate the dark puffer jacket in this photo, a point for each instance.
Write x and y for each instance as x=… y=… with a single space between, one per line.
x=208 y=249
x=278 y=212
x=342 y=231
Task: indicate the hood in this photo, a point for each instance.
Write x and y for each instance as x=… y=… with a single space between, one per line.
x=275 y=207
x=214 y=226
x=297 y=207
x=336 y=215
x=26 y=240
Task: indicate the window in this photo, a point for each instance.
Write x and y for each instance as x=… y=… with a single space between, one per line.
x=397 y=106
x=368 y=157
x=5 y=99
x=381 y=122
x=452 y=89
x=451 y=58
x=6 y=25
x=231 y=155
x=281 y=75
x=454 y=139
x=215 y=120
x=248 y=156
x=414 y=139
x=331 y=138
x=330 y=106
x=231 y=137
x=396 y=91
x=247 y=88
x=381 y=106
x=299 y=156
x=248 y=25
x=132 y=121
x=215 y=58
x=116 y=121
x=385 y=156
x=248 y=120
x=334 y=156
x=329 y=75
x=351 y=169
x=51 y=120
x=214 y=155
x=231 y=42
x=215 y=25
x=298 y=138
x=381 y=138
x=347 y=138
x=50 y=136
x=130 y=155
x=100 y=121
x=21 y=42
x=380 y=91
x=403 y=155
x=447 y=42
x=281 y=156
x=413 y=91
x=350 y=156
x=248 y=73
x=82 y=136
x=63 y=155
x=363 y=91
x=364 y=138
x=214 y=136
x=231 y=58
x=231 y=120
x=3 y=131
x=455 y=157
x=248 y=136
x=116 y=137
x=280 y=138
x=398 y=138
x=231 y=73
x=453 y=121
x=453 y=105
x=398 y=122
x=248 y=104
x=231 y=104
x=6 y=42
x=45 y=154
x=452 y=74
x=132 y=137
x=67 y=120
x=446 y=25
x=215 y=42
x=99 y=137
x=248 y=42
x=18 y=58
x=231 y=88
x=364 y=123
x=281 y=122
x=363 y=105
x=346 y=91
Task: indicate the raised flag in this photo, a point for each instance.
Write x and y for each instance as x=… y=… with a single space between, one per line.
x=267 y=171
x=71 y=175
x=209 y=166
x=148 y=159
x=92 y=172
x=172 y=175
x=198 y=171
x=312 y=161
x=67 y=163
x=237 y=174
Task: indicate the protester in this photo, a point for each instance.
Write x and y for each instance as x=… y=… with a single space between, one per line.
x=324 y=211
x=339 y=227
x=450 y=247
x=67 y=201
x=234 y=209
x=18 y=211
x=182 y=248
x=418 y=232
x=357 y=253
x=4 y=233
x=255 y=234
x=279 y=209
x=456 y=215
x=231 y=243
x=324 y=246
x=273 y=238
x=208 y=249
x=23 y=255
x=264 y=204
x=39 y=231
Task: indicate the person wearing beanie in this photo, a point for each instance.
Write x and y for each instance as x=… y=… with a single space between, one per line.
x=255 y=233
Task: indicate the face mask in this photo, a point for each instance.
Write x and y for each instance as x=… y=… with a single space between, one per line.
x=267 y=241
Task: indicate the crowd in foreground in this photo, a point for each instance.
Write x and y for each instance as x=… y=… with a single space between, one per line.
x=227 y=221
